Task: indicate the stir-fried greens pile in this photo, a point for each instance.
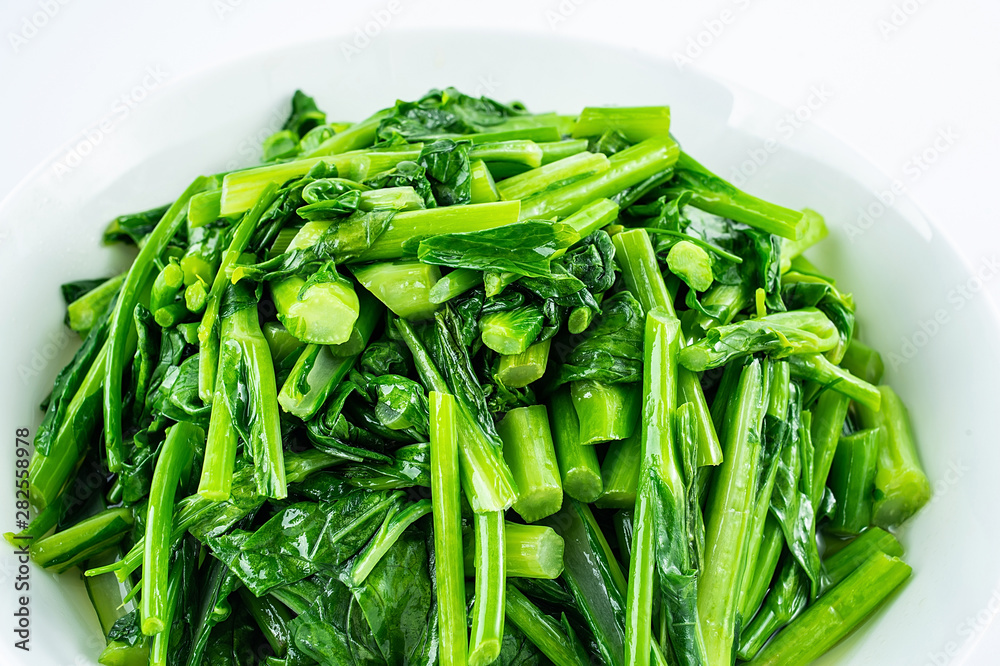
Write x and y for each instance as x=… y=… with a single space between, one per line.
x=464 y=384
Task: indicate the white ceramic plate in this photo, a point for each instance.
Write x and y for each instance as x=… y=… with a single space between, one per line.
x=901 y=269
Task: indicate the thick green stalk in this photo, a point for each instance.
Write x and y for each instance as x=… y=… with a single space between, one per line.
x=398 y=198
x=552 y=151
x=175 y=455
x=901 y=486
x=533 y=133
x=852 y=481
x=641 y=270
x=488 y=609
x=517 y=151
x=709 y=448
x=812 y=229
x=835 y=614
x=403 y=286
x=579 y=319
x=660 y=537
x=729 y=513
x=777 y=408
x=282 y=343
x=48 y=474
x=121 y=322
x=166 y=286
x=519 y=370
x=691 y=264
x=196 y=298
x=89 y=537
x=83 y=313
x=606 y=411
x=714 y=195
x=637 y=260
x=864 y=362
x=204 y=208
x=486 y=479
x=620 y=473
x=816 y=368
x=394 y=242
x=455 y=283
x=40 y=525
x=484 y=190
x=544 y=178
x=447 y=510
x=839 y=566
x=531 y=457
x=159 y=651
x=370 y=313
x=241 y=188
x=120 y=653
x=220 y=450
x=593 y=216
x=358 y=135
x=541 y=630
x=512 y=331
x=768 y=555
x=530 y=551
x=627 y=168
x=635 y=123
x=788 y=596
x=170 y=315
x=730 y=299
x=244 y=350
x=495 y=282
x=106 y=592
x=315 y=375
x=581 y=473
x=208 y=330
x=828 y=418
x=321 y=312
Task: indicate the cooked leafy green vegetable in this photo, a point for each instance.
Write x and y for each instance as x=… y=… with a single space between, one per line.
x=464 y=384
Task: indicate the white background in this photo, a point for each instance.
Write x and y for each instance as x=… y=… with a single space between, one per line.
x=892 y=78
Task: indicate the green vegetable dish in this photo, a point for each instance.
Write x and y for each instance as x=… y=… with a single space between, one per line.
x=464 y=384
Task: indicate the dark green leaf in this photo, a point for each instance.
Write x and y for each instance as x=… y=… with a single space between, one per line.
x=525 y=248
x=446 y=165
x=610 y=350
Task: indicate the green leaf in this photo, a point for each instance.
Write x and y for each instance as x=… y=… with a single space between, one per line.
x=443 y=112
x=525 y=248
x=610 y=350
x=447 y=168
x=302 y=539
